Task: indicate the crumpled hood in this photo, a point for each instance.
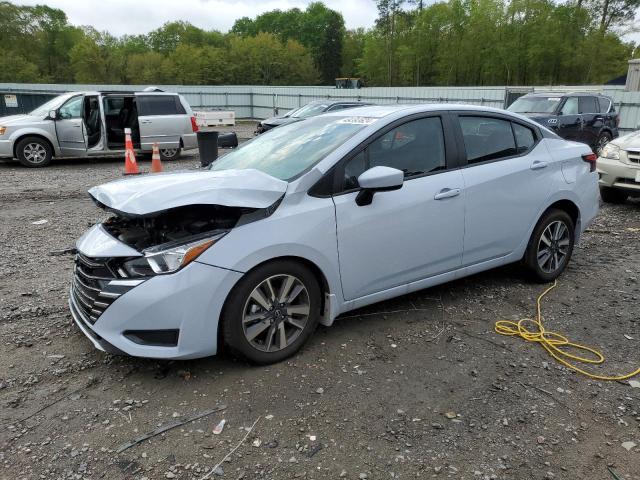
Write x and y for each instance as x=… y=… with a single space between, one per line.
x=12 y=120
x=630 y=140
x=150 y=194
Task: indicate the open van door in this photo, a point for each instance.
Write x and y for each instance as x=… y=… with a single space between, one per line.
x=161 y=119
x=70 y=128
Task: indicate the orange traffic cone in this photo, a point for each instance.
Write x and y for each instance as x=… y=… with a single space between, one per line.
x=156 y=164
x=130 y=164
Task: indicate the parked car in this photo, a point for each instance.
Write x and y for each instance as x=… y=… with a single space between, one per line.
x=86 y=124
x=311 y=109
x=619 y=169
x=316 y=218
x=583 y=117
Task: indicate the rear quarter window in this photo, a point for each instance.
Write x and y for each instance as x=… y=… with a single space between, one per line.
x=160 y=105
x=605 y=104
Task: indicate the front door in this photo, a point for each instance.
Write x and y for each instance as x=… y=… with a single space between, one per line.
x=407 y=234
x=70 y=128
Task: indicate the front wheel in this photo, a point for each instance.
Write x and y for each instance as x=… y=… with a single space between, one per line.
x=271 y=312
x=170 y=153
x=551 y=245
x=34 y=152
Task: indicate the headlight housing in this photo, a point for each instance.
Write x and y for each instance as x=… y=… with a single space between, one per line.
x=167 y=258
x=3 y=130
x=610 y=151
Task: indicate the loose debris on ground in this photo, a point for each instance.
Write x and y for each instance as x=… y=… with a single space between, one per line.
x=416 y=387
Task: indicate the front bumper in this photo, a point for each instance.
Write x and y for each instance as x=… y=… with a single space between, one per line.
x=6 y=149
x=189 y=301
x=622 y=174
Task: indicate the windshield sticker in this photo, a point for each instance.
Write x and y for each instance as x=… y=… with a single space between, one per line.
x=358 y=120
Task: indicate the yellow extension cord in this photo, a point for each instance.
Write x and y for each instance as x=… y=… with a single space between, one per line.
x=554 y=342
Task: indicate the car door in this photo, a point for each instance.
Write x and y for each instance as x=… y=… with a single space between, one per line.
x=161 y=119
x=506 y=180
x=70 y=128
x=569 y=120
x=592 y=121
x=407 y=234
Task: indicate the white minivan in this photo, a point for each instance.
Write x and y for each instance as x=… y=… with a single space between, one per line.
x=86 y=124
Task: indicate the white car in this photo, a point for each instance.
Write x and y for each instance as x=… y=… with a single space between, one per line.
x=619 y=168
x=313 y=219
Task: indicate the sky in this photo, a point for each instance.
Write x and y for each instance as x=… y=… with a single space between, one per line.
x=121 y=17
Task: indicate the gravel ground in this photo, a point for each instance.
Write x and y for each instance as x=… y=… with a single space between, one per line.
x=416 y=387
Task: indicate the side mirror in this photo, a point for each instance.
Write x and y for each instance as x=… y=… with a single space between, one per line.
x=378 y=179
x=53 y=114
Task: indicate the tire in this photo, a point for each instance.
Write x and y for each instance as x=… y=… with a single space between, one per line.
x=603 y=139
x=34 y=152
x=613 y=195
x=170 y=153
x=547 y=268
x=244 y=317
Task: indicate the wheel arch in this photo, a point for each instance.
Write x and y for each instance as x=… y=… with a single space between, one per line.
x=37 y=135
x=565 y=205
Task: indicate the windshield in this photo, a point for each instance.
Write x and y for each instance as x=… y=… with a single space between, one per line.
x=309 y=110
x=287 y=151
x=53 y=104
x=535 y=105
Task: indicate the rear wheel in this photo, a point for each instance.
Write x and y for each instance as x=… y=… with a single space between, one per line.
x=34 y=152
x=271 y=312
x=603 y=139
x=551 y=245
x=613 y=195
x=170 y=153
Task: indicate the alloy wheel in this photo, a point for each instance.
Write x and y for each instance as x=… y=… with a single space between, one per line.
x=553 y=246
x=169 y=152
x=276 y=313
x=35 y=153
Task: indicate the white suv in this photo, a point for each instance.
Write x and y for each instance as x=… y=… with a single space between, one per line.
x=85 y=124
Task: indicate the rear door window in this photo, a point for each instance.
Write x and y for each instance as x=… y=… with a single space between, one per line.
x=150 y=105
x=588 y=105
x=605 y=104
x=487 y=138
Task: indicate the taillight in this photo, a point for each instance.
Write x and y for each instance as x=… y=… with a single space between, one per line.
x=194 y=125
x=591 y=159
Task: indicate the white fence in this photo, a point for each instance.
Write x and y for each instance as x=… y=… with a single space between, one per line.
x=260 y=102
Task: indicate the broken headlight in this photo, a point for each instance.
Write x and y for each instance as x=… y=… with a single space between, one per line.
x=168 y=259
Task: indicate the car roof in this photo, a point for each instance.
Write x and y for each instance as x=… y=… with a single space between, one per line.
x=564 y=94
x=380 y=111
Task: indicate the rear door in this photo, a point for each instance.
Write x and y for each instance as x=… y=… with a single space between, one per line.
x=162 y=120
x=570 y=120
x=506 y=180
x=592 y=121
x=70 y=128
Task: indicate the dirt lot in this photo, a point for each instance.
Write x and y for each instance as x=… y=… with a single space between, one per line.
x=369 y=397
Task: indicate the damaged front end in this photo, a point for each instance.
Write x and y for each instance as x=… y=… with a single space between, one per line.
x=158 y=226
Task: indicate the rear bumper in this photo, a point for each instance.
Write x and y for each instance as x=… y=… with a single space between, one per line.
x=189 y=141
x=616 y=174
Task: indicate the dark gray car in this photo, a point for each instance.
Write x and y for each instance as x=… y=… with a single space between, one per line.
x=311 y=109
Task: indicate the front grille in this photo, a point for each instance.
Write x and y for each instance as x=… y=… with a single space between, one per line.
x=92 y=289
x=633 y=156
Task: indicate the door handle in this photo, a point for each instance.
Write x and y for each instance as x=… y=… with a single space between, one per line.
x=538 y=165
x=76 y=125
x=447 y=193
x=146 y=122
